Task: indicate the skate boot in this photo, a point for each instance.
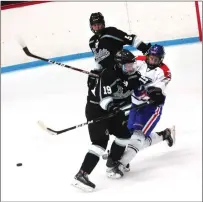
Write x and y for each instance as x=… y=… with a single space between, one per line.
x=169 y=135
x=126 y=168
x=82 y=182
x=114 y=169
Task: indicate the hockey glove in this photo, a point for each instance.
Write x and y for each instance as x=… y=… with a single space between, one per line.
x=147 y=48
x=144 y=47
x=156 y=95
x=91 y=82
x=113 y=108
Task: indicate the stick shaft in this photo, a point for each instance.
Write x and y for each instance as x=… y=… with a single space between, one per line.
x=28 y=53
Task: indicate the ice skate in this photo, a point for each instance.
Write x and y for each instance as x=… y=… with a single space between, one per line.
x=114 y=169
x=169 y=135
x=82 y=182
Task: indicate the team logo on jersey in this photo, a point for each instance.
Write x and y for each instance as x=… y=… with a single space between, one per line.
x=101 y=54
x=120 y=94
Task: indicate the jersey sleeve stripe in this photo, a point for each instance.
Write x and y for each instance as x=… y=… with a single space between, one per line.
x=113 y=37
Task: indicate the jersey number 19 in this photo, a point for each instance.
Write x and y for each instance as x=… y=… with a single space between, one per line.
x=107 y=90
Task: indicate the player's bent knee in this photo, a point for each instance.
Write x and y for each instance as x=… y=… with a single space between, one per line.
x=137 y=139
x=96 y=150
x=122 y=142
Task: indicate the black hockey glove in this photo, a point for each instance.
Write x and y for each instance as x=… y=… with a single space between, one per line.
x=144 y=47
x=91 y=82
x=156 y=95
x=113 y=108
x=147 y=48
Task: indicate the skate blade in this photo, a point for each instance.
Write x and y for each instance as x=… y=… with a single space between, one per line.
x=126 y=169
x=81 y=186
x=173 y=131
x=113 y=175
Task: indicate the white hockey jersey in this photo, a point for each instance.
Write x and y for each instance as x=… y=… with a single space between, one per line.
x=158 y=77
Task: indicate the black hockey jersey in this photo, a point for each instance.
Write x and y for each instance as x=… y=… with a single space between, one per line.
x=109 y=41
x=112 y=86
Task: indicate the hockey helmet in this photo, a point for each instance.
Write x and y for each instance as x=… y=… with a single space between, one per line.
x=155 y=56
x=125 y=60
x=96 y=18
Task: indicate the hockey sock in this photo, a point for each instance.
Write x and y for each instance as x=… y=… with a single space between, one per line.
x=116 y=151
x=89 y=163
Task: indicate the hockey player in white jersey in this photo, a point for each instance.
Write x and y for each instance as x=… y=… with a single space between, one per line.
x=156 y=76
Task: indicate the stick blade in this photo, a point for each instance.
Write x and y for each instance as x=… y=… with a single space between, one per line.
x=21 y=42
x=44 y=127
x=24 y=46
x=27 y=52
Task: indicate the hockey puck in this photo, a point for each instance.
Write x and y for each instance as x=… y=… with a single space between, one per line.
x=19 y=164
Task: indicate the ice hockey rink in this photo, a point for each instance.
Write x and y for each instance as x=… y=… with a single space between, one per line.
x=57 y=96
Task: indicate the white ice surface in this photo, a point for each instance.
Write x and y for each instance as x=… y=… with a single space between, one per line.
x=57 y=96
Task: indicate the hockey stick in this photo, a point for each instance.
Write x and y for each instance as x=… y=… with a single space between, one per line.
x=57 y=132
x=28 y=53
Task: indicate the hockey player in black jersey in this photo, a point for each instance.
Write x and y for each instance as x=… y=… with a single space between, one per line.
x=107 y=41
x=109 y=95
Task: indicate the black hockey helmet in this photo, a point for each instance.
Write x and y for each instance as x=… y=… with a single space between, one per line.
x=124 y=56
x=96 y=18
x=125 y=59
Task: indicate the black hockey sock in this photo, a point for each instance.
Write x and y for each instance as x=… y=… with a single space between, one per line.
x=116 y=151
x=89 y=163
